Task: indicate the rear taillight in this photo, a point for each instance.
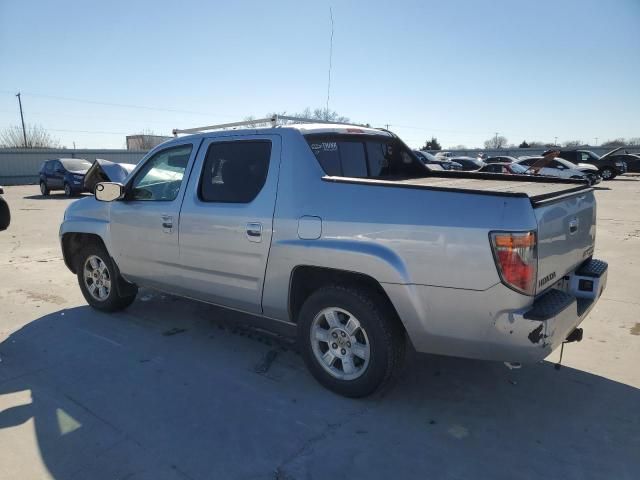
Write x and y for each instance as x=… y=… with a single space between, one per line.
x=516 y=258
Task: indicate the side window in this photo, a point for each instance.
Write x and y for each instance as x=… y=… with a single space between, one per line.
x=558 y=165
x=48 y=167
x=235 y=172
x=160 y=177
x=584 y=157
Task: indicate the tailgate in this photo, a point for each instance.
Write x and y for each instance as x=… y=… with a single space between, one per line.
x=566 y=236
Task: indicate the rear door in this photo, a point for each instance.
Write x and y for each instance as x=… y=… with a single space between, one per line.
x=566 y=236
x=226 y=222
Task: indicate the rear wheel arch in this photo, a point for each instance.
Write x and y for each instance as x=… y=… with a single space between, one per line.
x=306 y=279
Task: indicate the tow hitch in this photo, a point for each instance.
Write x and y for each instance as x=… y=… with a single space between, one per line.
x=574 y=336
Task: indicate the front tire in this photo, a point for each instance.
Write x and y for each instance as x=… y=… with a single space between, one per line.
x=351 y=340
x=68 y=192
x=44 y=190
x=98 y=279
x=607 y=173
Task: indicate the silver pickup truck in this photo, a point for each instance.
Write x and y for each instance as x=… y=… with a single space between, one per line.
x=340 y=234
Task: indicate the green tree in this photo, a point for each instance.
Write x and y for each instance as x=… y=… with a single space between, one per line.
x=432 y=144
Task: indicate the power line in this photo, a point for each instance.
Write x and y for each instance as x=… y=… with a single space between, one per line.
x=120 y=105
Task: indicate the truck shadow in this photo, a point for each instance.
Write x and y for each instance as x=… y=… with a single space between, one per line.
x=175 y=389
x=55 y=196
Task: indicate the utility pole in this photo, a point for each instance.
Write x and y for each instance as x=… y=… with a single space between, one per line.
x=386 y=126
x=24 y=132
x=555 y=141
x=495 y=142
x=596 y=142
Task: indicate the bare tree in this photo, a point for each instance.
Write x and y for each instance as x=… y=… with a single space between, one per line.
x=618 y=142
x=37 y=137
x=496 y=142
x=572 y=143
x=315 y=114
x=634 y=141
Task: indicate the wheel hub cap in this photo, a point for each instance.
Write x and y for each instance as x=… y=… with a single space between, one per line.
x=97 y=278
x=340 y=344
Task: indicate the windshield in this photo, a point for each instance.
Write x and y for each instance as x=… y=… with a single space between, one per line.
x=517 y=168
x=567 y=163
x=429 y=157
x=75 y=164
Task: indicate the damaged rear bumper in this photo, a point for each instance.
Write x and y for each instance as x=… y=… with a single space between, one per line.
x=497 y=323
x=556 y=313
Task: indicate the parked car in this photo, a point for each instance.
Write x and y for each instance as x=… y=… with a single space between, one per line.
x=561 y=168
x=63 y=174
x=505 y=168
x=447 y=155
x=334 y=232
x=469 y=164
x=631 y=160
x=106 y=171
x=429 y=159
x=5 y=212
x=501 y=159
x=608 y=166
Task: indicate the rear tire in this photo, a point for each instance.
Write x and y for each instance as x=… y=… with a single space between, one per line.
x=44 y=190
x=98 y=279
x=351 y=340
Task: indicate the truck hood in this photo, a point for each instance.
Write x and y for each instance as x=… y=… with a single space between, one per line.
x=587 y=166
x=106 y=171
x=611 y=152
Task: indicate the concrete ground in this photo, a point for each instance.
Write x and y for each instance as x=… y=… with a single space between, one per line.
x=172 y=389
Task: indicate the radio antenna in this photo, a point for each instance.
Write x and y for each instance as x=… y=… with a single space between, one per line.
x=330 y=58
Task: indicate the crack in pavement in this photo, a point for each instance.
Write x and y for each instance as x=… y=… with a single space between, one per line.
x=307 y=446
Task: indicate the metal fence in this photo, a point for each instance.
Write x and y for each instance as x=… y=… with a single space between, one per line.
x=20 y=166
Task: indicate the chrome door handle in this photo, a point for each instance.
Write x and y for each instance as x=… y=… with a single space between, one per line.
x=254 y=232
x=167 y=223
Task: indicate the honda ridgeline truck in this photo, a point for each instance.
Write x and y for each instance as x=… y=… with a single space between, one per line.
x=342 y=234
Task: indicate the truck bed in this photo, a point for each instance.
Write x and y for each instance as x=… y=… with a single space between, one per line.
x=537 y=189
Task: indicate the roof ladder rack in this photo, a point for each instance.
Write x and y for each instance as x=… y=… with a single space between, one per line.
x=273 y=120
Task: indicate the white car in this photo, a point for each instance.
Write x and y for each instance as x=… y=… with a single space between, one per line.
x=561 y=168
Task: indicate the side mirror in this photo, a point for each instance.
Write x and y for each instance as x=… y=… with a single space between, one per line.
x=109 y=191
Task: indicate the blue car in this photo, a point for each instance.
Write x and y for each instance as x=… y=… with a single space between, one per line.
x=63 y=174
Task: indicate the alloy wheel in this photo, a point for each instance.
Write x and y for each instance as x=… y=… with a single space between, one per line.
x=340 y=344
x=97 y=278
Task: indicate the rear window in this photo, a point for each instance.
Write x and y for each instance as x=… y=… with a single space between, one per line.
x=364 y=157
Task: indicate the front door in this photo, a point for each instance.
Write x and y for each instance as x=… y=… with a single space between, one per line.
x=226 y=220
x=144 y=225
x=56 y=180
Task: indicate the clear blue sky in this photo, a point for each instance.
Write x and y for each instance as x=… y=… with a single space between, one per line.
x=459 y=70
